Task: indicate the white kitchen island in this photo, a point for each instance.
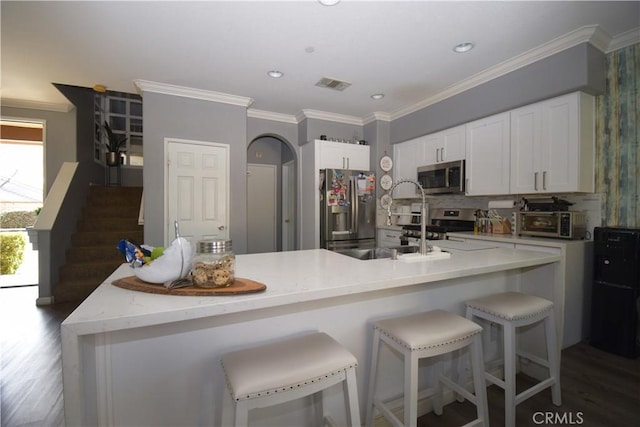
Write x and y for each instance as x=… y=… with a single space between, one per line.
x=139 y=359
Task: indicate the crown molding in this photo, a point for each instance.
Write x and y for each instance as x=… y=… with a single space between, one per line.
x=188 y=92
x=268 y=115
x=625 y=39
x=332 y=117
x=581 y=35
x=377 y=115
x=37 y=105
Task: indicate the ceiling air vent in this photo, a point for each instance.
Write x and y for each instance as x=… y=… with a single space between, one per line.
x=333 y=84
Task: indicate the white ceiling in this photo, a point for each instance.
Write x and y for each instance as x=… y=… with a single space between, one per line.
x=401 y=49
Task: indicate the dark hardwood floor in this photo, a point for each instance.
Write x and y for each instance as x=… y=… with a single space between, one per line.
x=30 y=359
x=598 y=389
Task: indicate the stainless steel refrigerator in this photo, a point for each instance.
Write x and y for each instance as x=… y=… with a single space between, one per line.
x=347 y=209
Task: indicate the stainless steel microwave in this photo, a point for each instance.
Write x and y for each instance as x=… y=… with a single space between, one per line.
x=442 y=178
x=563 y=225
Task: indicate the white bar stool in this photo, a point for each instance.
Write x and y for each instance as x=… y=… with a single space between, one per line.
x=283 y=371
x=513 y=310
x=430 y=334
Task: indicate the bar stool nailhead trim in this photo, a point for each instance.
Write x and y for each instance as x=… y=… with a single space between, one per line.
x=290 y=369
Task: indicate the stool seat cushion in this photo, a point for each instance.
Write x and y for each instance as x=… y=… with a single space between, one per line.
x=431 y=329
x=511 y=305
x=281 y=366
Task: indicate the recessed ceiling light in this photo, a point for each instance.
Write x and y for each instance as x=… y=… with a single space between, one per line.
x=329 y=2
x=377 y=96
x=275 y=74
x=463 y=47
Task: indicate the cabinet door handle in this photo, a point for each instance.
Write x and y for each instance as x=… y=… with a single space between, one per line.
x=535 y=181
x=544 y=180
x=348 y=163
x=437 y=150
x=442 y=154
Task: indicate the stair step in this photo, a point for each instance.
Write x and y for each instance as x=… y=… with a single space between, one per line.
x=77 y=254
x=110 y=215
x=101 y=194
x=75 y=290
x=105 y=238
x=109 y=224
x=97 y=270
x=117 y=210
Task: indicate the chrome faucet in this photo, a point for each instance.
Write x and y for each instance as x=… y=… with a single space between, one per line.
x=424 y=249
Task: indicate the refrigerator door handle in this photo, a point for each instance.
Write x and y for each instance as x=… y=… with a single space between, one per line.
x=354 y=204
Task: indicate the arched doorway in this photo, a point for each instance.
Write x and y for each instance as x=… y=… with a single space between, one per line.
x=271 y=195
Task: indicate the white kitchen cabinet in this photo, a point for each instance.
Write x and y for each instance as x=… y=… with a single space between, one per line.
x=552 y=146
x=488 y=156
x=337 y=155
x=445 y=146
x=314 y=156
x=407 y=156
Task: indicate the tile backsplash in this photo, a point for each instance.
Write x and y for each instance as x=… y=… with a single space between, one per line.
x=589 y=203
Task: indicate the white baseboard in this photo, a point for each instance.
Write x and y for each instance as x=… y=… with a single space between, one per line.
x=44 y=301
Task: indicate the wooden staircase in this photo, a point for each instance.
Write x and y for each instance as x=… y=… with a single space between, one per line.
x=110 y=215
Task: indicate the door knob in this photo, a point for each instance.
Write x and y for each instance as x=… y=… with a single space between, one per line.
x=221 y=227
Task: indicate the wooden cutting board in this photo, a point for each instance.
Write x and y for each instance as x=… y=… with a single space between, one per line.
x=239 y=286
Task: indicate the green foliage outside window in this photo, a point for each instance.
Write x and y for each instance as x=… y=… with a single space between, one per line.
x=11 y=252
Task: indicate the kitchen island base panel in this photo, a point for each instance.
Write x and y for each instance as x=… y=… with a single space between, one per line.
x=132 y=358
x=175 y=367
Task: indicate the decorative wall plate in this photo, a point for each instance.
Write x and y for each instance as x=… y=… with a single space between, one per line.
x=386 y=182
x=386 y=163
x=385 y=201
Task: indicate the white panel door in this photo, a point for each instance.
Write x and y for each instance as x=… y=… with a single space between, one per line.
x=197 y=190
x=261 y=208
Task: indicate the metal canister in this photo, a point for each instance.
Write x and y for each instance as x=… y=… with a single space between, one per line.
x=214 y=264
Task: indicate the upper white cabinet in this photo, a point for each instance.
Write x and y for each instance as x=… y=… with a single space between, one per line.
x=487 y=156
x=407 y=156
x=445 y=146
x=338 y=155
x=552 y=146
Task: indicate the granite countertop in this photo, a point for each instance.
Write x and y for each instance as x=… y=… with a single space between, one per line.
x=291 y=277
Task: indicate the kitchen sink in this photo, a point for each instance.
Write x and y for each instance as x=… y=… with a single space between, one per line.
x=376 y=253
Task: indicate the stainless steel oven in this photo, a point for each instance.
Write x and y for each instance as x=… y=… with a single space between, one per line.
x=442 y=221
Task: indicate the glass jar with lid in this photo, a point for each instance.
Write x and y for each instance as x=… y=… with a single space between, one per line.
x=214 y=264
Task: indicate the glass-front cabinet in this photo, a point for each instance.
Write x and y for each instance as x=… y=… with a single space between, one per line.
x=124 y=116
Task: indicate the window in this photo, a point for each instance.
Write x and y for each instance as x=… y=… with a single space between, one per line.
x=124 y=115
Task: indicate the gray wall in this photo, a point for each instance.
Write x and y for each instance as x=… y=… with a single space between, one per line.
x=83 y=99
x=376 y=134
x=578 y=68
x=167 y=116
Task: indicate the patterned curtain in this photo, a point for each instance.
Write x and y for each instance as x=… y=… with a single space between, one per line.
x=617 y=136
